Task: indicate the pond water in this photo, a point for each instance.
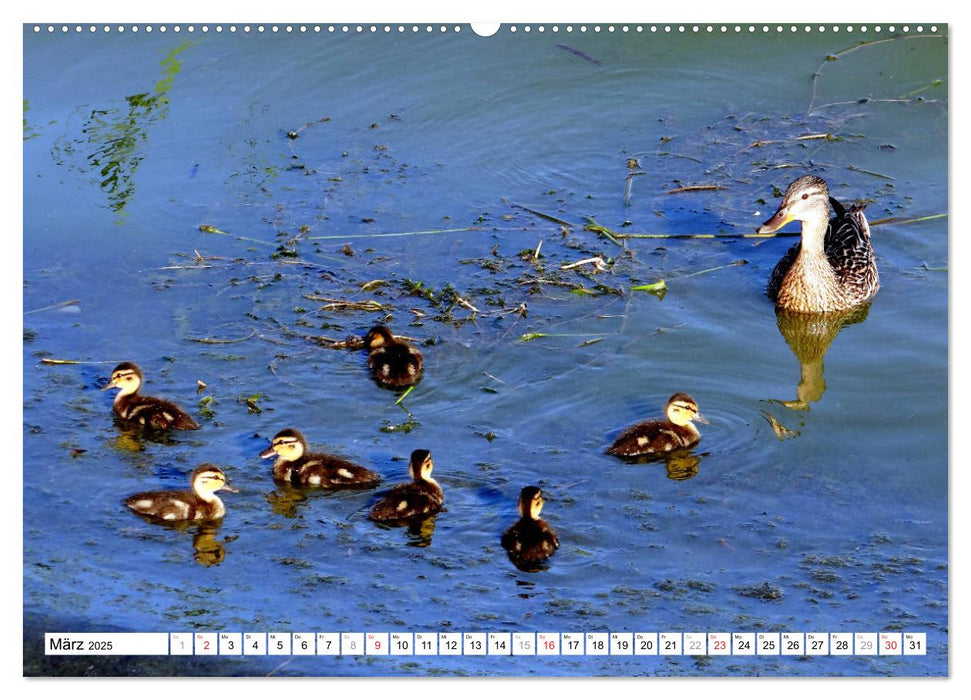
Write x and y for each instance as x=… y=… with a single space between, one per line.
x=221 y=208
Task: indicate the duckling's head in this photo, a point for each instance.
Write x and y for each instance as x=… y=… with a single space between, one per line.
x=530 y=502
x=289 y=445
x=682 y=409
x=806 y=199
x=127 y=377
x=421 y=465
x=378 y=337
x=208 y=479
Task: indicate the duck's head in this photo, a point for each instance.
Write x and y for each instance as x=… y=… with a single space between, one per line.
x=682 y=409
x=127 y=377
x=289 y=445
x=208 y=479
x=421 y=465
x=378 y=337
x=530 y=502
x=806 y=199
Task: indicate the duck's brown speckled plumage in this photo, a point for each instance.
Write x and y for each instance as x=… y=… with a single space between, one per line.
x=296 y=465
x=420 y=498
x=661 y=437
x=833 y=267
x=145 y=411
x=393 y=362
x=201 y=503
x=531 y=540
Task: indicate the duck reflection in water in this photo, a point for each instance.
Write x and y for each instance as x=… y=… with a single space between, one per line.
x=809 y=337
x=208 y=550
x=287 y=499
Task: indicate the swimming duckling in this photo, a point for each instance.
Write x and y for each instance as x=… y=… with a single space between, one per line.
x=201 y=503
x=418 y=499
x=531 y=541
x=833 y=267
x=147 y=411
x=659 y=437
x=294 y=464
x=394 y=363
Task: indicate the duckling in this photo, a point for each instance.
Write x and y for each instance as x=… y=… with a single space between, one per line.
x=531 y=541
x=201 y=503
x=393 y=363
x=147 y=411
x=659 y=437
x=833 y=267
x=296 y=465
x=418 y=499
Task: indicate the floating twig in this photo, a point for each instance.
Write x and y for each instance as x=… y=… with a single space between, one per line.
x=70 y=302
x=870 y=172
x=535 y=336
x=206 y=228
x=578 y=53
x=429 y=232
x=603 y=231
x=900 y=222
x=862 y=45
x=734 y=263
x=597 y=262
x=345 y=305
x=676 y=236
x=540 y=214
x=680 y=155
x=696 y=188
x=221 y=341
x=934 y=83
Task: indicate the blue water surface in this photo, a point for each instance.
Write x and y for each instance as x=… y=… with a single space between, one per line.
x=212 y=205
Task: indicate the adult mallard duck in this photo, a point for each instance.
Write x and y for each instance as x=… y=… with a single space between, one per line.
x=297 y=465
x=420 y=498
x=393 y=363
x=146 y=411
x=530 y=541
x=833 y=267
x=201 y=503
x=660 y=437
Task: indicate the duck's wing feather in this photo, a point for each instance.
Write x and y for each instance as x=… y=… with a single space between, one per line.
x=848 y=249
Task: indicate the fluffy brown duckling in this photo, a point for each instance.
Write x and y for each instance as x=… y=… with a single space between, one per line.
x=660 y=437
x=146 y=411
x=833 y=267
x=393 y=363
x=295 y=464
x=420 y=498
x=201 y=503
x=530 y=541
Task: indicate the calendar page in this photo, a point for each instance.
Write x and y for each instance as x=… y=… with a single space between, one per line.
x=514 y=350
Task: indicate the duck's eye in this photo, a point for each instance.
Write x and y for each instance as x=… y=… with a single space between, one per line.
x=805 y=195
